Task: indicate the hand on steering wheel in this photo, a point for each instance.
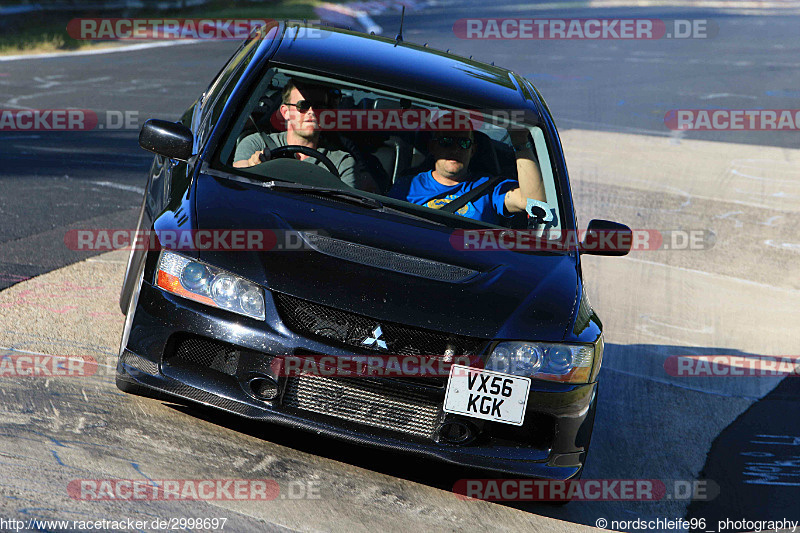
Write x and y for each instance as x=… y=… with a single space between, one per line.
x=290 y=149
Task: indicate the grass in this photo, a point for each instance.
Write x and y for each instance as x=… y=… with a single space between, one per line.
x=47 y=32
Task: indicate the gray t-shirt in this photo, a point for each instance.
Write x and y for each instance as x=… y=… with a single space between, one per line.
x=343 y=161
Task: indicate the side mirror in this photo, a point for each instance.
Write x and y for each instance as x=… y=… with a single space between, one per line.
x=604 y=237
x=170 y=139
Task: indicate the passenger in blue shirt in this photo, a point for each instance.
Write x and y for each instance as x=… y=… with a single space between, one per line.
x=450 y=178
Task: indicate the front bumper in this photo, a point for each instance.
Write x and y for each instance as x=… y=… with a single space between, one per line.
x=551 y=444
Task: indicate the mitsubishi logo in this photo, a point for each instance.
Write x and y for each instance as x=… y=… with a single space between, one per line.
x=375 y=339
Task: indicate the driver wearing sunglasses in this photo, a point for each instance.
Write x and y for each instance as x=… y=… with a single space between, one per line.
x=450 y=178
x=300 y=108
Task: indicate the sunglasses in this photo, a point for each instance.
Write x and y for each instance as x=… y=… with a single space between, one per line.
x=304 y=105
x=465 y=143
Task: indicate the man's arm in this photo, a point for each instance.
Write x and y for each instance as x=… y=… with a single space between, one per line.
x=248 y=152
x=348 y=174
x=531 y=184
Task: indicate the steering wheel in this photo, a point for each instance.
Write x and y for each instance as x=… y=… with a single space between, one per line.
x=290 y=149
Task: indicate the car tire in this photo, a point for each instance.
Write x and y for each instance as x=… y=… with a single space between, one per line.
x=124 y=384
x=133 y=301
x=124 y=299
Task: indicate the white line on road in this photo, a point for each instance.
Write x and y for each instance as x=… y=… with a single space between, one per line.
x=792 y=246
x=726 y=95
x=15 y=137
x=131 y=188
x=129 y=48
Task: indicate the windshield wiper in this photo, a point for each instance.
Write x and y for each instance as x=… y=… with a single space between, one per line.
x=352 y=196
x=343 y=194
x=291 y=186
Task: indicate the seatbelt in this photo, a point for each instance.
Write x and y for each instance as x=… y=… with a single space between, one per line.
x=471 y=195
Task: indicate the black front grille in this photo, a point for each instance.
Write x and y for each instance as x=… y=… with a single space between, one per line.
x=351 y=329
x=139 y=363
x=421 y=380
x=364 y=401
x=205 y=353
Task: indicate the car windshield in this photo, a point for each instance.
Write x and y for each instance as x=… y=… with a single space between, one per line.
x=434 y=161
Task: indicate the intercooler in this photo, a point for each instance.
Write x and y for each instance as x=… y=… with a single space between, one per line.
x=365 y=401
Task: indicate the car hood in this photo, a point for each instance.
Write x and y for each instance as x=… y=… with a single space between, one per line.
x=510 y=295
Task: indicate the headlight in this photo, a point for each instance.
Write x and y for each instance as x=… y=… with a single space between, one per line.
x=209 y=285
x=570 y=363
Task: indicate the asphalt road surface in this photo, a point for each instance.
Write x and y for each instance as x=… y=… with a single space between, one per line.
x=734 y=438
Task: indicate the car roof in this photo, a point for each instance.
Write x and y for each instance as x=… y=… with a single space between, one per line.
x=406 y=67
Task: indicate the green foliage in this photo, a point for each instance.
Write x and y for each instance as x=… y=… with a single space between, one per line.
x=47 y=31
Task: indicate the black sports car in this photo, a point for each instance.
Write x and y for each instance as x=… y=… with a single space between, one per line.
x=346 y=273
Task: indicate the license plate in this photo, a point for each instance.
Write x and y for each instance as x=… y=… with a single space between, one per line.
x=487 y=395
